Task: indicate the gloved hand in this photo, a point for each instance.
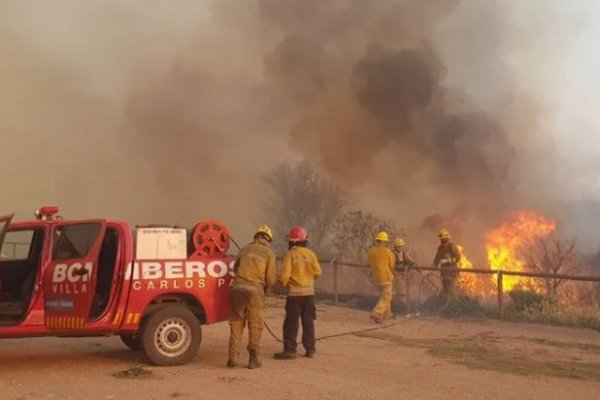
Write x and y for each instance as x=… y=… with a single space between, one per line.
x=277 y=289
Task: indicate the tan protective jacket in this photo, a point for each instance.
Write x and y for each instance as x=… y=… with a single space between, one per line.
x=381 y=260
x=255 y=267
x=300 y=269
x=447 y=255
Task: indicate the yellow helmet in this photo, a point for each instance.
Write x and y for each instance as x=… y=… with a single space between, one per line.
x=265 y=230
x=445 y=234
x=382 y=237
x=399 y=242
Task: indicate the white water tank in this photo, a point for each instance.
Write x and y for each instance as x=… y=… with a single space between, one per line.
x=161 y=243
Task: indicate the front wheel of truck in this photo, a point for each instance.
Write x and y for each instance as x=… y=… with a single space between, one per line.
x=171 y=335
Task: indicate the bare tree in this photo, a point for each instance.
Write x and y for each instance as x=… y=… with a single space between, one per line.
x=298 y=195
x=555 y=256
x=354 y=233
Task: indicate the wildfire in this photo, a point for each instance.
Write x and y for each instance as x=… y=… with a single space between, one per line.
x=474 y=284
x=466 y=281
x=464 y=261
x=503 y=245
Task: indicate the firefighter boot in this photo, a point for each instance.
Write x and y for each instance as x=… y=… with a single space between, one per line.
x=232 y=363
x=285 y=355
x=254 y=361
x=376 y=318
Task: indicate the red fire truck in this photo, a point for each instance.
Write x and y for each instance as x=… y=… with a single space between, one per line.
x=154 y=285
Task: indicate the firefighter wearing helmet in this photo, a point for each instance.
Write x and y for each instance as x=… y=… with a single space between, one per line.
x=381 y=260
x=447 y=258
x=255 y=272
x=403 y=262
x=299 y=270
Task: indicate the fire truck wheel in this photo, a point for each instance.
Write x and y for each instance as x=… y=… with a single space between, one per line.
x=171 y=335
x=134 y=342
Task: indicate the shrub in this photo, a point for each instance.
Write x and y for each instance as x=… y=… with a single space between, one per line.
x=529 y=306
x=526 y=301
x=462 y=306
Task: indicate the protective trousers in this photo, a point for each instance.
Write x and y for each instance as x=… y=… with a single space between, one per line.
x=246 y=307
x=449 y=277
x=303 y=308
x=383 y=308
x=400 y=284
x=448 y=287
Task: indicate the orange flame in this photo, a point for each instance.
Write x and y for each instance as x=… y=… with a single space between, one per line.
x=504 y=244
x=464 y=260
x=473 y=284
x=465 y=281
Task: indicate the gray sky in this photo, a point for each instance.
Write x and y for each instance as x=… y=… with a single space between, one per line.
x=103 y=60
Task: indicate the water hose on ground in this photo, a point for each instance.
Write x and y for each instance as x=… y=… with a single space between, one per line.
x=409 y=317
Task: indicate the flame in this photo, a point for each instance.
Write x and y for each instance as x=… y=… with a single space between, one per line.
x=464 y=260
x=466 y=282
x=503 y=245
x=473 y=284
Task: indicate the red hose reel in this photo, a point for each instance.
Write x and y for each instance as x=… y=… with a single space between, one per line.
x=210 y=238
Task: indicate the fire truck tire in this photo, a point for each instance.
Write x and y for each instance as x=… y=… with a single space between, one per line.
x=171 y=335
x=134 y=342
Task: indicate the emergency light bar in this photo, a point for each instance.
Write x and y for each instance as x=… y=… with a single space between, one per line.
x=46 y=212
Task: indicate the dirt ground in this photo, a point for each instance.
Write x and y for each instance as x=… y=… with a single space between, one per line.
x=418 y=358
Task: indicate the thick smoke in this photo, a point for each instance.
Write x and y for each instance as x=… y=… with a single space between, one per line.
x=131 y=110
x=427 y=111
x=376 y=112
x=430 y=110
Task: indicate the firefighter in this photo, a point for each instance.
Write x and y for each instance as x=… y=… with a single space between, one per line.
x=381 y=260
x=255 y=272
x=403 y=261
x=447 y=258
x=299 y=271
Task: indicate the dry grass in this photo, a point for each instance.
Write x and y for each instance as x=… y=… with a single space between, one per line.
x=492 y=358
x=486 y=352
x=589 y=347
x=559 y=315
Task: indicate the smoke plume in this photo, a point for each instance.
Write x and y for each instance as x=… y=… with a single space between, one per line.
x=427 y=111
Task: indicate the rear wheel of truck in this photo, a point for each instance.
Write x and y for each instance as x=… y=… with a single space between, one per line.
x=133 y=341
x=171 y=335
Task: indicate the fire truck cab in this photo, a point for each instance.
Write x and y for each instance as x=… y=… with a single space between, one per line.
x=154 y=286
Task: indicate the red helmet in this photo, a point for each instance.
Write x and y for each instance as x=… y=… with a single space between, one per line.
x=298 y=234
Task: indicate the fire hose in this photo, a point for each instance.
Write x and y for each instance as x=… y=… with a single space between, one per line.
x=409 y=317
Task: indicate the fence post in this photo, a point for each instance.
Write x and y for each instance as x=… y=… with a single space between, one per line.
x=500 y=295
x=336 y=299
x=407 y=289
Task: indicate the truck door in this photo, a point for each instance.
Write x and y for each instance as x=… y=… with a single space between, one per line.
x=4 y=224
x=69 y=281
